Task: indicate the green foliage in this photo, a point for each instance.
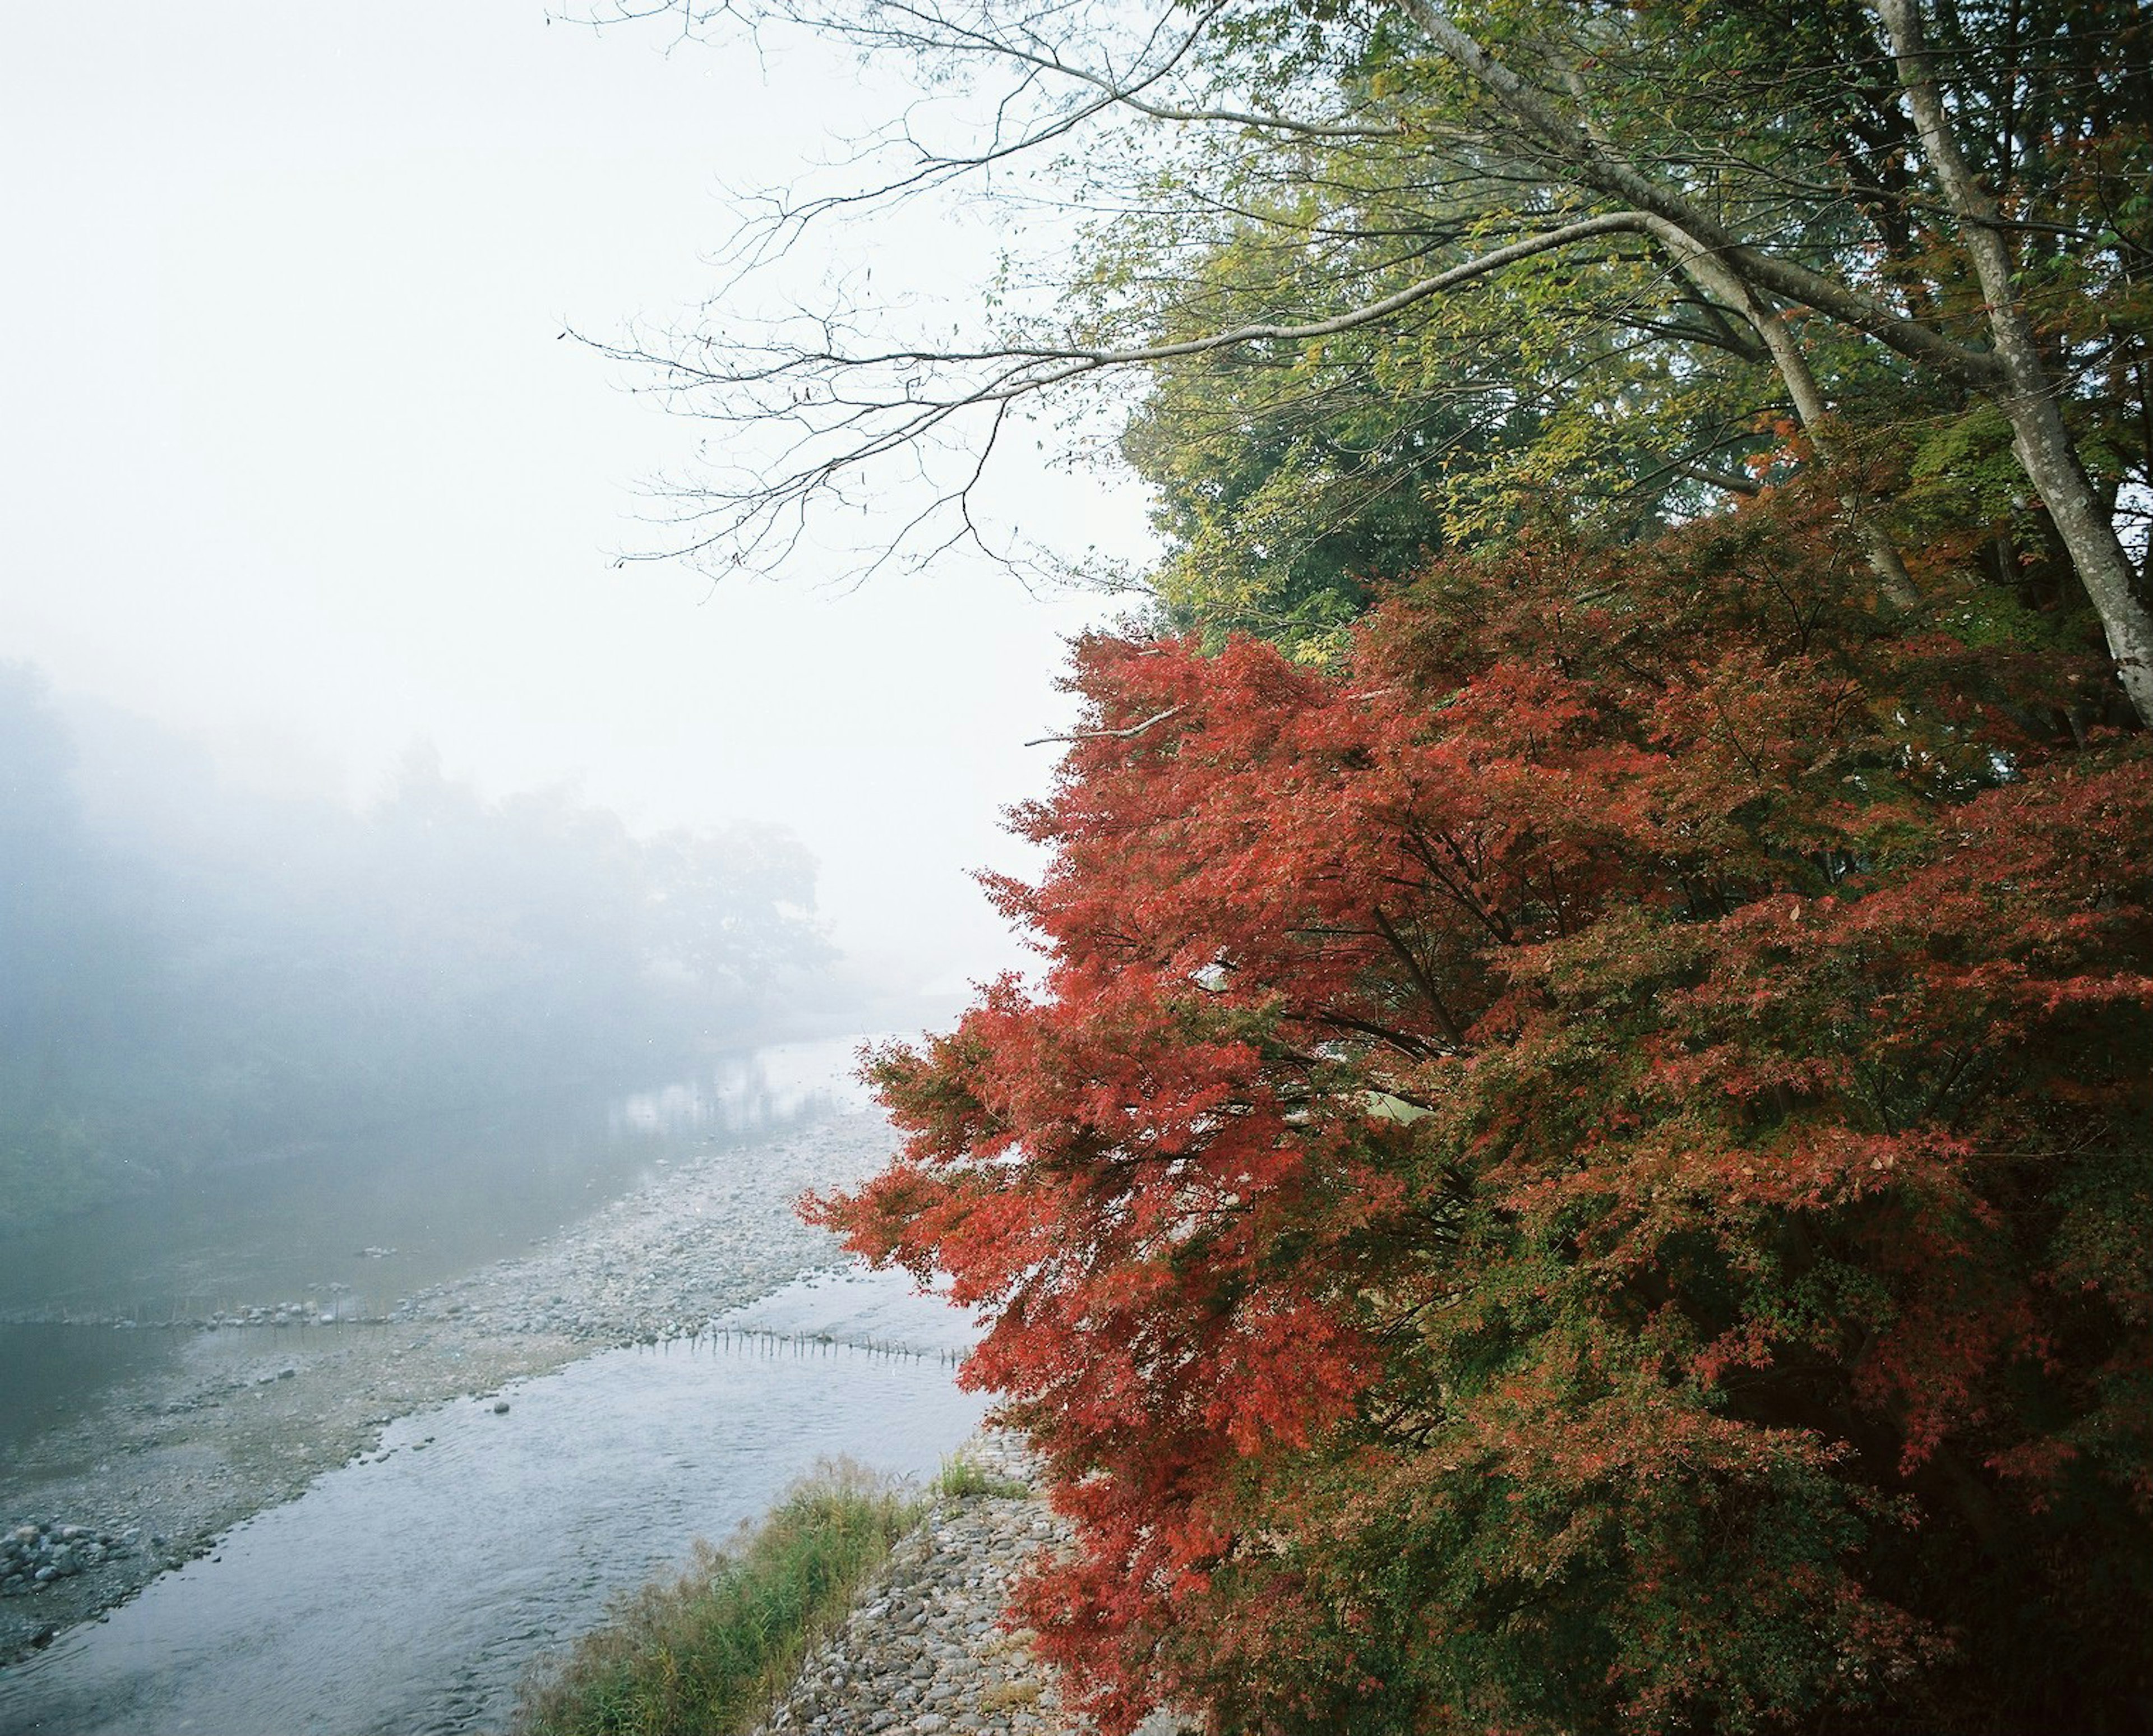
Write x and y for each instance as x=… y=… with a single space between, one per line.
x=1605 y=382
x=962 y=1480
x=707 y=1655
x=1294 y=481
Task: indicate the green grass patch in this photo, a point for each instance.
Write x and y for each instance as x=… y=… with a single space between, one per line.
x=960 y=1479
x=708 y=1655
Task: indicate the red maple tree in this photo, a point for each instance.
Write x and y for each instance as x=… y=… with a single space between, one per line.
x=1588 y=1169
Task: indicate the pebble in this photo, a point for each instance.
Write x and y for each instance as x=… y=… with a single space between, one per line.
x=925 y=1651
x=34 y=1554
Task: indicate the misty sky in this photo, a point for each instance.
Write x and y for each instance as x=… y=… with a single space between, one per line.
x=294 y=459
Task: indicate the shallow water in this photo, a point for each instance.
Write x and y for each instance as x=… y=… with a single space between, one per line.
x=409 y=1592
x=352 y=1224
x=50 y=1371
x=406 y=1205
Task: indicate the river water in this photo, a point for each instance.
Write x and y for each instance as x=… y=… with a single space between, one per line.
x=409 y=1590
x=351 y=1224
x=402 y=1205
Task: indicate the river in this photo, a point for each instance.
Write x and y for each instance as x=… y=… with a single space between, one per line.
x=348 y=1225
x=407 y=1592
x=410 y=1584
x=403 y=1203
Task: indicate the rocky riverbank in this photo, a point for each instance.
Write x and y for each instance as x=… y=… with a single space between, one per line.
x=925 y=1651
x=33 y=1555
x=244 y=1416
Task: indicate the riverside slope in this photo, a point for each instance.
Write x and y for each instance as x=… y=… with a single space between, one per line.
x=926 y=1651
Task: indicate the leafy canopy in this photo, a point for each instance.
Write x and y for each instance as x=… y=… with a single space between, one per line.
x=1585 y=1168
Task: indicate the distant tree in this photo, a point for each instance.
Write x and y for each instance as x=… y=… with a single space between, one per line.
x=732 y=911
x=1584 y=1169
x=76 y=970
x=211 y=975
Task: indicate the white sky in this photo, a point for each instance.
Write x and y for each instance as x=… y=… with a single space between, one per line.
x=291 y=457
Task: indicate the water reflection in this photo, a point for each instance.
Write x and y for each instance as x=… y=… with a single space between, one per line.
x=749 y=1093
x=411 y=1207
x=48 y=1369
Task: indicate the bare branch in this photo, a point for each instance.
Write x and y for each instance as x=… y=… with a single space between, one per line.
x=1130 y=733
x=848 y=406
x=1347 y=190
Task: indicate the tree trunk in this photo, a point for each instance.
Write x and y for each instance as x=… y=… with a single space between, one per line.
x=2011 y=374
x=1715 y=275
x=2026 y=394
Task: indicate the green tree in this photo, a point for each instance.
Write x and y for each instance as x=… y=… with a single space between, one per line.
x=1613 y=242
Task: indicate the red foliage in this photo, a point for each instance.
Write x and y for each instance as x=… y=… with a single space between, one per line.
x=1588 y=1169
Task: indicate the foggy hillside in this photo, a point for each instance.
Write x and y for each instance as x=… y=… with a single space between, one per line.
x=191 y=974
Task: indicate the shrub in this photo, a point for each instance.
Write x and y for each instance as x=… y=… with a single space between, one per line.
x=961 y=1481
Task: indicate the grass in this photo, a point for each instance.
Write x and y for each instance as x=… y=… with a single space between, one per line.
x=710 y=1653
x=961 y=1480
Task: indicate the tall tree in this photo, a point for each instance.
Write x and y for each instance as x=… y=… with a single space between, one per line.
x=1645 y=206
x=1943 y=209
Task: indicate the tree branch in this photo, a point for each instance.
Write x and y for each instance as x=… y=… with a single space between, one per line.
x=1600 y=166
x=1133 y=730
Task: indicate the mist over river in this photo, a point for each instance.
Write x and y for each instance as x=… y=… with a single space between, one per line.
x=358 y=1221
x=339 y=1526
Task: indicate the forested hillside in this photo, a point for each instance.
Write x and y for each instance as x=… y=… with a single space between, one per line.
x=1581 y=1155
x=189 y=975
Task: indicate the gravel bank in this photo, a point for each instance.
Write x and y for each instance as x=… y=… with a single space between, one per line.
x=925 y=1652
x=248 y=1416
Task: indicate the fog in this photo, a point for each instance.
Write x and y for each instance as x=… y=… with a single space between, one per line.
x=349 y=771
x=191 y=972
x=399 y=894
x=298 y=467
